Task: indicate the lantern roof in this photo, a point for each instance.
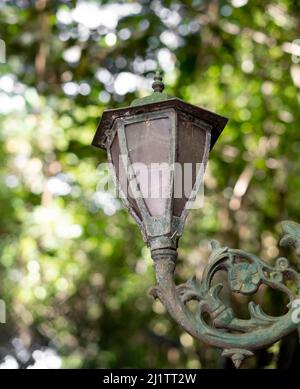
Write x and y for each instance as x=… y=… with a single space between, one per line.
x=156 y=102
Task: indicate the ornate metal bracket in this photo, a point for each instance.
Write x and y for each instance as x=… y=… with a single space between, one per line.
x=246 y=272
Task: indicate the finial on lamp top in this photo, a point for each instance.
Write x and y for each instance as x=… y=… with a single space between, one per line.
x=157 y=95
x=158 y=85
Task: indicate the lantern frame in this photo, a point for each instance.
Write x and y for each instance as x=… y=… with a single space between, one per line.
x=165 y=230
x=151 y=226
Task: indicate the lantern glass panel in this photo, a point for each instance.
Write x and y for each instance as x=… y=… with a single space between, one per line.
x=148 y=144
x=121 y=175
x=191 y=147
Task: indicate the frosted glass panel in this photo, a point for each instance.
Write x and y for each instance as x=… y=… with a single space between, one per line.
x=190 y=152
x=148 y=145
x=121 y=174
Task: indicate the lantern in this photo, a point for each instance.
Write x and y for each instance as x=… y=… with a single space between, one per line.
x=158 y=149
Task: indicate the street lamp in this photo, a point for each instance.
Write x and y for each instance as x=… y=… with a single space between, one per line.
x=158 y=150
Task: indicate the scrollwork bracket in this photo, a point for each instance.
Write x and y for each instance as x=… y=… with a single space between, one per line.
x=238 y=338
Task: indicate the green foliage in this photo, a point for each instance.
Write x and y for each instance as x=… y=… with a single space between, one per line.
x=74 y=270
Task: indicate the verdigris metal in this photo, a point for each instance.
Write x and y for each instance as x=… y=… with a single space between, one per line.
x=246 y=272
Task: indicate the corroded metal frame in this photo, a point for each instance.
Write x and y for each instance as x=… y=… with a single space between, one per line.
x=155 y=226
x=152 y=226
x=109 y=116
x=165 y=230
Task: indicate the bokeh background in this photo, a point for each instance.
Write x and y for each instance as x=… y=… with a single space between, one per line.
x=74 y=272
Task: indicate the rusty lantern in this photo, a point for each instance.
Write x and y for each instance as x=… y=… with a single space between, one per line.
x=158 y=149
x=149 y=144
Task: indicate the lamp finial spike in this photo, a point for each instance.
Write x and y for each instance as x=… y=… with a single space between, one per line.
x=158 y=85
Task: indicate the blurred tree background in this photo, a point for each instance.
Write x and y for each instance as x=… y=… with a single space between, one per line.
x=74 y=270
